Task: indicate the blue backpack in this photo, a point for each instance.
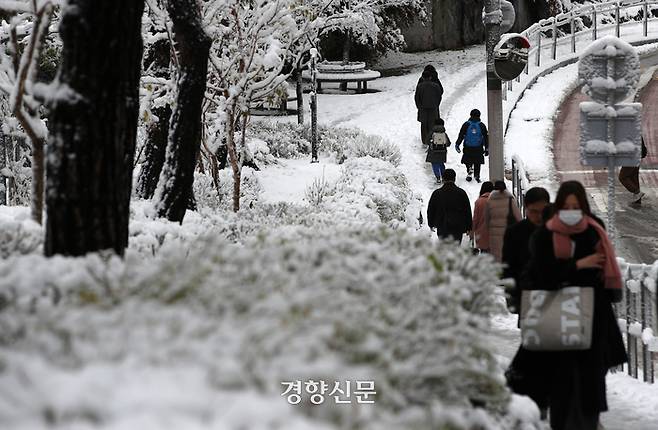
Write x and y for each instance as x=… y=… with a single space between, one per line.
x=473 y=136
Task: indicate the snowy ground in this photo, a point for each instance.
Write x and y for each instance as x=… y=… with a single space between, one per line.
x=390 y=112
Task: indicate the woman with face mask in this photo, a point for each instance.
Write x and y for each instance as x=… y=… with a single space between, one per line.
x=572 y=249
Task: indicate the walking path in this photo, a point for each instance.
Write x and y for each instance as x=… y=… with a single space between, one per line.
x=638 y=231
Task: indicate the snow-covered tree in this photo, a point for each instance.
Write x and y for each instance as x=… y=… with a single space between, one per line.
x=174 y=193
x=251 y=41
x=157 y=93
x=364 y=21
x=23 y=39
x=94 y=105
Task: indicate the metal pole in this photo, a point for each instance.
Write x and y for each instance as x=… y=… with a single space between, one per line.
x=617 y=19
x=538 y=56
x=645 y=362
x=612 y=232
x=492 y=20
x=554 y=38
x=572 y=28
x=314 y=107
x=645 y=19
x=594 y=32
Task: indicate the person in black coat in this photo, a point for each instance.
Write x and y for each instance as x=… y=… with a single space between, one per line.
x=475 y=136
x=428 y=99
x=572 y=383
x=434 y=77
x=516 y=242
x=449 y=209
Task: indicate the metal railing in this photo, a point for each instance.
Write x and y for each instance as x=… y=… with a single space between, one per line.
x=558 y=39
x=638 y=319
x=520 y=182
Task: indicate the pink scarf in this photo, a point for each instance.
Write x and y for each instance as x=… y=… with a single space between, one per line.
x=562 y=246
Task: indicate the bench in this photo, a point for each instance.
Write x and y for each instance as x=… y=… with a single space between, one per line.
x=361 y=78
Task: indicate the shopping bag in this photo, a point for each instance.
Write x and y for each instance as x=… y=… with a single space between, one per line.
x=559 y=320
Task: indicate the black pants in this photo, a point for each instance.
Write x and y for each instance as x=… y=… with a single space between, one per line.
x=566 y=407
x=451 y=235
x=476 y=169
x=425 y=132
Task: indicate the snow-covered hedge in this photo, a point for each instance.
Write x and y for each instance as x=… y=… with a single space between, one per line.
x=207 y=195
x=368 y=191
x=284 y=139
x=201 y=338
x=18 y=233
x=290 y=140
x=375 y=184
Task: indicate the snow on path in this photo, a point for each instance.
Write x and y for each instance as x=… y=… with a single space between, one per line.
x=391 y=113
x=288 y=180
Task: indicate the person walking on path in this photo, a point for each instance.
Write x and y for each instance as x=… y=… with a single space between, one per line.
x=437 y=150
x=572 y=249
x=476 y=144
x=629 y=176
x=434 y=78
x=480 y=233
x=428 y=98
x=449 y=209
x=517 y=239
x=500 y=212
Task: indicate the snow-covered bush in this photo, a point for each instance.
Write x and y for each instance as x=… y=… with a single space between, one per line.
x=318 y=190
x=201 y=337
x=210 y=196
x=18 y=233
x=260 y=152
x=284 y=139
x=22 y=189
x=289 y=140
x=382 y=184
x=374 y=146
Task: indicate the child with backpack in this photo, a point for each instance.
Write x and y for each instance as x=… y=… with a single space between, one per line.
x=476 y=145
x=437 y=150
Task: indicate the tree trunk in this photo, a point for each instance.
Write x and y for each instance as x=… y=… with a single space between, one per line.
x=192 y=49
x=299 y=89
x=155 y=147
x=93 y=125
x=233 y=156
x=38 y=174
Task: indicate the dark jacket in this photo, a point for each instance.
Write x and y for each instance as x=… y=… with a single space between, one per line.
x=428 y=98
x=546 y=375
x=473 y=154
x=516 y=254
x=435 y=154
x=449 y=210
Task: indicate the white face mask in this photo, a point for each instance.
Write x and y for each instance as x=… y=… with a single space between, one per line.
x=570 y=216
